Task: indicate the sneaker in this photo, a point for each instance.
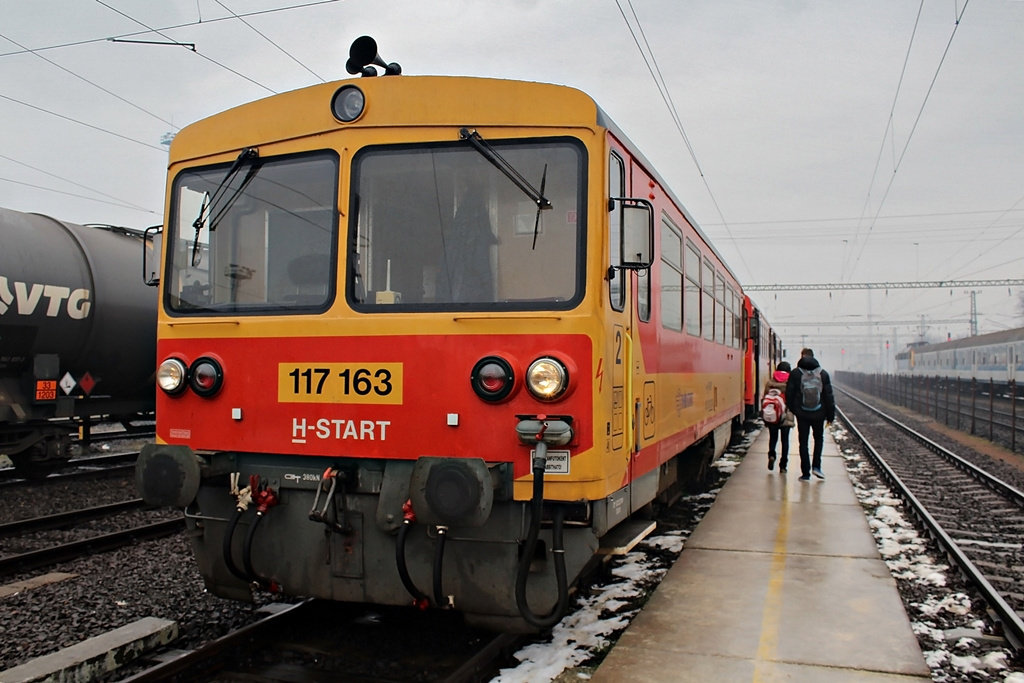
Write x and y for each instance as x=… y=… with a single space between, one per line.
x=771 y=462
x=818 y=473
x=782 y=469
x=805 y=477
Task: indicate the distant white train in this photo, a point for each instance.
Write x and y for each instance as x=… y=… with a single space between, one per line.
x=998 y=356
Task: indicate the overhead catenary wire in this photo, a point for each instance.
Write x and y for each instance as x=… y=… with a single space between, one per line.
x=23 y=49
x=980 y=235
x=652 y=66
x=118 y=201
x=79 y=196
x=889 y=128
x=843 y=286
x=941 y=214
x=86 y=80
x=906 y=146
x=267 y=38
x=87 y=41
x=81 y=123
x=161 y=33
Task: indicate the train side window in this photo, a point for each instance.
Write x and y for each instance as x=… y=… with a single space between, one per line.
x=739 y=321
x=720 y=308
x=671 y=275
x=730 y=316
x=616 y=188
x=643 y=294
x=707 y=322
x=691 y=295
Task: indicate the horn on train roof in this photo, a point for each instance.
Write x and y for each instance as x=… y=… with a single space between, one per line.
x=363 y=53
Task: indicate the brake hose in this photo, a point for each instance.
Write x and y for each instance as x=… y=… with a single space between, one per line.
x=557 y=550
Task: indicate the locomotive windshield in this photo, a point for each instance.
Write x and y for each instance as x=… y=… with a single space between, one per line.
x=269 y=245
x=439 y=227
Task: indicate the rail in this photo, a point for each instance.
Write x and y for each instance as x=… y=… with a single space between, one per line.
x=25 y=562
x=1013 y=627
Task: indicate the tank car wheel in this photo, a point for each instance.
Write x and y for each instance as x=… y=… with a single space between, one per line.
x=41 y=459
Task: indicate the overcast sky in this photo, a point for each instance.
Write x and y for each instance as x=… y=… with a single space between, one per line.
x=832 y=141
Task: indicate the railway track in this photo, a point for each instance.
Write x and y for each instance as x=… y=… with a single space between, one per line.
x=987 y=409
x=85 y=467
x=976 y=518
x=316 y=640
x=35 y=548
x=359 y=642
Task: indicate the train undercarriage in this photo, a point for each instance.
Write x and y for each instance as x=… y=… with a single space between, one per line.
x=435 y=532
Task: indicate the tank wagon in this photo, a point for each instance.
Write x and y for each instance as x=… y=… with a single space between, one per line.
x=77 y=334
x=434 y=341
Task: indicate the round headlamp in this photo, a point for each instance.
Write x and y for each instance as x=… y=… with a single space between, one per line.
x=171 y=376
x=547 y=379
x=348 y=103
x=205 y=376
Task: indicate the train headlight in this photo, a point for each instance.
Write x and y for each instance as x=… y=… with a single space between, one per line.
x=171 y=376
x=205 y=376
x=492 y=378
x=547 y=379
x=348 y=103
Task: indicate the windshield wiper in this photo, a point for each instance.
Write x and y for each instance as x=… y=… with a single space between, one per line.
x=489 y=153
x=249 y=154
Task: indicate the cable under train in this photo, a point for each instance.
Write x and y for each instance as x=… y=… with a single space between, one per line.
x=432 y=341
x=77 y=335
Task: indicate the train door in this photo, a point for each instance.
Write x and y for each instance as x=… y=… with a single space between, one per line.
x=755 y=335
x=1011 y=362
x=620 y=353
x=630 y=242
x=643 y=398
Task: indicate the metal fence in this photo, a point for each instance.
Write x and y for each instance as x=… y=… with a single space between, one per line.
x=986 y=408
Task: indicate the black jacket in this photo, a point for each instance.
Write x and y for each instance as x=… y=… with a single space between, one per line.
x=793 y=398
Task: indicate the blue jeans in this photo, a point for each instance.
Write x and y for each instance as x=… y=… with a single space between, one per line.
x=806 y=425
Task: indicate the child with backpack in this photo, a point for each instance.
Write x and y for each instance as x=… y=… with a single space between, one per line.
x=776 y=417
x=809 y=396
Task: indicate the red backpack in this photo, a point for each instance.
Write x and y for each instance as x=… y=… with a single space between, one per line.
x=773 y=407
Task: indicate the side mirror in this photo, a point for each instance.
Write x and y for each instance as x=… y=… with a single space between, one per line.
x=637 y=234
x=152 y=247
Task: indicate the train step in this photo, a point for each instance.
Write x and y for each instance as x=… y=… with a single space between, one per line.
x=622 y=538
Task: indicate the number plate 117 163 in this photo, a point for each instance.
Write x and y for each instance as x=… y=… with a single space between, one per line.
x=379 y=383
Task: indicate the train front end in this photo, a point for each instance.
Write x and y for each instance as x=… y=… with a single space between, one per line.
x=381 y=373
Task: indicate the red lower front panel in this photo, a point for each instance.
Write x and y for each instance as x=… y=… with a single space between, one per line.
x=384 y=397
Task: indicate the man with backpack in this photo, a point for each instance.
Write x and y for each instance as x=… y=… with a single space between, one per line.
x=809 y=397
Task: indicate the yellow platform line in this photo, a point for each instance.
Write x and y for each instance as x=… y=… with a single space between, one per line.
x=771 y=617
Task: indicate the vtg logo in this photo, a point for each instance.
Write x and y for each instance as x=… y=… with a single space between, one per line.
x=26 y=296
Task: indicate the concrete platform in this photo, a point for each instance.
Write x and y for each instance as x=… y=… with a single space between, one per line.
x=91 y=659
x=781 y=581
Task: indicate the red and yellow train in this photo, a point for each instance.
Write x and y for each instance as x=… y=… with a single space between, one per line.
x=432 y=340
